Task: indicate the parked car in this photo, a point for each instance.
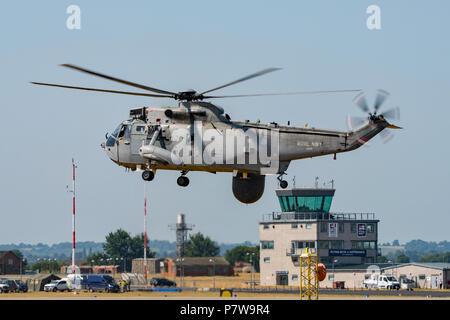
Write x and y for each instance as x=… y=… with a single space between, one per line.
x=102 y=283
x=162 y=282
x=4 y=287
x=57 y=285
x=23 y=287
x=51 y=286
x=16 y=286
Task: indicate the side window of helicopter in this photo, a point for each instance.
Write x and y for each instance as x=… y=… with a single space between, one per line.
x=124 y=132
x=121 y=131
x=140 y=129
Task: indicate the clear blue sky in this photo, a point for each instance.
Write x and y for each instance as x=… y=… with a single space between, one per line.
x=173 y=45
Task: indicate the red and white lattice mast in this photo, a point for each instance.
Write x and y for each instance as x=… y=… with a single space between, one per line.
x=73 y=216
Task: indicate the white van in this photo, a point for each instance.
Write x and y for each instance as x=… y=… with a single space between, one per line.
x=377 y=281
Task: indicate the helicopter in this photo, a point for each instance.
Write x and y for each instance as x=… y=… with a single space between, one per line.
x=199 y=136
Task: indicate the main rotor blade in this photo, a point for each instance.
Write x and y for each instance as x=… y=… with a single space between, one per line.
x=103 y=90
x=381 y=96
x=392 y=114
x=360 y=100
x=254 y=75
x=279 y=94
x=118 y=80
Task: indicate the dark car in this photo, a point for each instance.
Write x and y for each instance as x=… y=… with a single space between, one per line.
x=17 y=286
x=102 y=283
x=23 y=287
x=162 y=282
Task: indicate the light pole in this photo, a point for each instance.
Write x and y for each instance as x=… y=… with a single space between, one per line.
x=334 y=261
x=251 y=263
x=114 y=267
x=214 y=271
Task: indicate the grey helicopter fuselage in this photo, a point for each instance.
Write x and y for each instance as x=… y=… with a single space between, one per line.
x=145 y=142
x=199 y=136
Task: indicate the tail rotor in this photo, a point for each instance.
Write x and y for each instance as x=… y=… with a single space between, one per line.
x=390 y=114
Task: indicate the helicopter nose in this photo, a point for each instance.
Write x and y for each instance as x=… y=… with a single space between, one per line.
x=110 y=151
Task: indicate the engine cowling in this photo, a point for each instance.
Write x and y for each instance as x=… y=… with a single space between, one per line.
x=250 y=189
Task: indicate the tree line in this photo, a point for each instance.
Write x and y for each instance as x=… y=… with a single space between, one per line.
x=120 y=248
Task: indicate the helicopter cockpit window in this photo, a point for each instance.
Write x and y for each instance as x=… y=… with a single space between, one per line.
x=140 y=129
x=111 y=139
x=124 y=131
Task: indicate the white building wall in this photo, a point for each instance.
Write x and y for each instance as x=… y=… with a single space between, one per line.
x=282 y=234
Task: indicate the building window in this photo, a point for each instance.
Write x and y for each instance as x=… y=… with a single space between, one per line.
x=353 y=228
x=324 y=244
x=308 y=226
x=323 y=227
x=304 y=244
x=267 y=260
x=266 y=245
x=337 y=244
x=341 y=228
x=10 y=261
x=266 y=226
x=331 y=277
x=294 y=226
x=364 y=244
x=421 y=277
x=294 y=277
x=370 y=228
x=294 y=259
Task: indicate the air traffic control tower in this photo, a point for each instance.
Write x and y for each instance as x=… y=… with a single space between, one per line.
x=305 y=221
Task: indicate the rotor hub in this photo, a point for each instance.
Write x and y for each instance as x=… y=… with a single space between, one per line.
x=188 y=95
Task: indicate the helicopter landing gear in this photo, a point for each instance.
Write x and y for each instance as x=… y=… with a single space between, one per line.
x=182 y=180
x=148 y=175
x=283 y=183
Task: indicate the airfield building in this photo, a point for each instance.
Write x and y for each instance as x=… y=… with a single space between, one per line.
x=305 y=221
x=10 y=263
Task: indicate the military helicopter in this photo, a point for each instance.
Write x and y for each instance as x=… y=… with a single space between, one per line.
x=199 y=136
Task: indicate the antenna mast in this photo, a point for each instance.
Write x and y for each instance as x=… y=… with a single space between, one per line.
x=73 y=215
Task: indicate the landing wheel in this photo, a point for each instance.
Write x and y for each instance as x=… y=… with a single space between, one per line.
x=283 y=184
x=148 y=175
x=183 y=181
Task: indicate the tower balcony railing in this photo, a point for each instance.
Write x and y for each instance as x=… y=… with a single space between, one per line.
x=302 y=216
